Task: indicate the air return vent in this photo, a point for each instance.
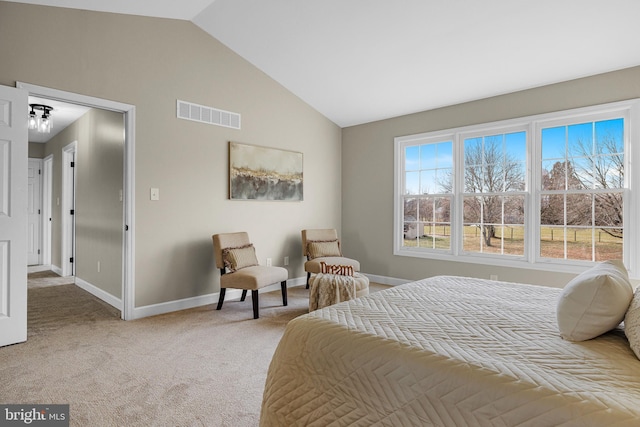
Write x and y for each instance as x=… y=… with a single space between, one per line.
x=209 y=115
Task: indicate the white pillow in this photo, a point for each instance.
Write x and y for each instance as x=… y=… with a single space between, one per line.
x=594 y=302
x=632 y=323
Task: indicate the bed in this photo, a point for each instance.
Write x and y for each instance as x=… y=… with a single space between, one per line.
x=449 y=351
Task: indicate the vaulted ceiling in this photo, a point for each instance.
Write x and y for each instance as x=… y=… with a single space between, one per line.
x=358 y=61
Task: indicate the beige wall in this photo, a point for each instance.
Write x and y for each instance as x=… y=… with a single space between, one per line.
x=36 y=150
x=99 y=137
x=149 y=63
x=367 y=156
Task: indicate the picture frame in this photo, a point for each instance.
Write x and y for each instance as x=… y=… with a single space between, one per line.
x=264 y=173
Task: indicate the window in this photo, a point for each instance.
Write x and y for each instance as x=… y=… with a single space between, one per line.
x=493 y=198
x=582 y=191
x=552 y=189
x=428 y=195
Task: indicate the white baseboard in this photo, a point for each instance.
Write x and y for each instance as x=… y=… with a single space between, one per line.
x=99 y=293
x=38 y=268
x=186 y=303
x=391 y=281
x=56 y=269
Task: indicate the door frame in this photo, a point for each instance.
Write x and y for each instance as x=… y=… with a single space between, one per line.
x=129 y=111
x=47 y=191
x=35 y=197
x=68 y=205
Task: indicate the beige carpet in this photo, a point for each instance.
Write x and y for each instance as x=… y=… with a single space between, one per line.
x=197 y=367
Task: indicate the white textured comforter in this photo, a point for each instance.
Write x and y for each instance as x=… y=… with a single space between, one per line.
x=448 y=351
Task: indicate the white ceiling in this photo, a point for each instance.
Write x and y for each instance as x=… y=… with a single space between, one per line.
x=62 y=115
x=358 y=61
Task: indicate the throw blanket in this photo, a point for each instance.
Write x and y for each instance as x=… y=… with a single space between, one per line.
x=329 y=289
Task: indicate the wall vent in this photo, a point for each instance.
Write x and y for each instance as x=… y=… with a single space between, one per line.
x=209 y=115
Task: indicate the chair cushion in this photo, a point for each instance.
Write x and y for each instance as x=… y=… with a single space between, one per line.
x=329 y=248
x=238 y=258
x=254 y=277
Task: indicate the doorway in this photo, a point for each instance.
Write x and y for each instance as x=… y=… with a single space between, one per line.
x=126 y=303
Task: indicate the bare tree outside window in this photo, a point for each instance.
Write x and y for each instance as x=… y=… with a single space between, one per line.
x=491 y=170
x=603 y=168
x=582 y=191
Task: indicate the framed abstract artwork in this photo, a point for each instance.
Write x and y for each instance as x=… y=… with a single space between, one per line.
x=263 y=173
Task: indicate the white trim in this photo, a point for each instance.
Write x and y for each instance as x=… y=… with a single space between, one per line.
x=629 y=109
x=129 y=111
x=56 y=270
x=129 y=241
x=99 y=293
x=69 y=152
x=47 y=204
x=199 y=301
x=61 y=95
x=182 y=304
x=38 y=268
x=41 y=222
x=384 y=280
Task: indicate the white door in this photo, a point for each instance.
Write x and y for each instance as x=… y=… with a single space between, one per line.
x=34 y=178
x=13 y=215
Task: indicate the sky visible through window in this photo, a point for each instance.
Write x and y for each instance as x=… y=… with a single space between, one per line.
x=565 y=141
x=427 y=165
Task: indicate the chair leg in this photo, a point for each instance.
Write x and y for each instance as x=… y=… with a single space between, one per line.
x=221 y=298
x=308 y=277
x=254 y=298
x=283 y=285
x=244 y=295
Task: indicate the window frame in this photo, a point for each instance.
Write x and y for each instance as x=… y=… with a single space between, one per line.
x=433 y=139
x=625 y=190
x=460 y=190
x=533 y=125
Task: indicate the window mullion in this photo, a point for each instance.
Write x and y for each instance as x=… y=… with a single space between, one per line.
x=457 y=216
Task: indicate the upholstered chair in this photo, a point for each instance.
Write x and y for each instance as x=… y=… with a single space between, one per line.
x=323 y=245
x=236 y=258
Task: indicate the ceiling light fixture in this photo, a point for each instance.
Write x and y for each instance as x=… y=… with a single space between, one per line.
x=43 y=123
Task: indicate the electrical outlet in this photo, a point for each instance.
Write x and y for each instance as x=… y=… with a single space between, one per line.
x=155 y=194
x=494 y=277
x=268 y=262
x=98 y=266
x=286 y=260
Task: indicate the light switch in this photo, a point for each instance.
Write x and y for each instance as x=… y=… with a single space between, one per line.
x=155 y=194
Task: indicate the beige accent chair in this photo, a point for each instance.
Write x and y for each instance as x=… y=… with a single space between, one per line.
x=239 y=269
x=331 y=254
